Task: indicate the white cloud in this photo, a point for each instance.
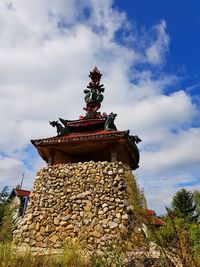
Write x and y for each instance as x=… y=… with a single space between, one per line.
x=47 y=49
x=156 y=52
x=160 y=187
x=8 y=169
x=180 y=150
x=168 y=111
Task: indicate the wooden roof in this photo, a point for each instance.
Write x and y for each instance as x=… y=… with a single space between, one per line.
x=100 y=135
x=90 y=142
x=153 y=219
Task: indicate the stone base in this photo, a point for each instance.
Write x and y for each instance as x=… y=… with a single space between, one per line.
x=88 y=202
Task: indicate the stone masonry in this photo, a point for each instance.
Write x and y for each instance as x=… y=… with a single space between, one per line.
x=86 y=201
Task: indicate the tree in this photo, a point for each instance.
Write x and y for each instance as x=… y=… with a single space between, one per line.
x=183 y=206
x=4 y=194
x=3 y=197
x=196 y=196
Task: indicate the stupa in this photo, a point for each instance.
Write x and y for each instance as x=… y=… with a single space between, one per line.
x=91 y=137
x=87 y=191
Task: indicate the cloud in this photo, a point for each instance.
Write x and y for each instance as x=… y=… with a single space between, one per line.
x=159 y=111
x=155 y=53
x=160 y=186
x=9 y=166
x=180 y=150
x=47 y=49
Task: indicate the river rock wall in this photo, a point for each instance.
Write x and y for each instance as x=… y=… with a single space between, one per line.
x=87 y=201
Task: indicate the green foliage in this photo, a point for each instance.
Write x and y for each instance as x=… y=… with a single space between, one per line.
x=73 y=255
x=196 y=196
x=71 y=258
x=7 y=223
x=135 y=195
x=112 y=257
x=4 y=194
x=183 y=206
x=9 y=258
x=180 y=236
x=3 y=197
x=195 y=239
x=179 y=239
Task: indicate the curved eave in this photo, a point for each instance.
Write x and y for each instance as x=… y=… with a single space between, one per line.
x=133 y=152
x=89 y=142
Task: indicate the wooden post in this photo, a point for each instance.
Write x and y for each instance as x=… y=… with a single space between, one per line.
x=49 y=162
x=50 y=158
x=113 y=154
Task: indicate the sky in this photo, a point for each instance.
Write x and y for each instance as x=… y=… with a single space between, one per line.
x=148 y=52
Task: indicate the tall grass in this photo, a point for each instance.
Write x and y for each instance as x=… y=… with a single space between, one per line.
x=178 y=241
x=71 y=256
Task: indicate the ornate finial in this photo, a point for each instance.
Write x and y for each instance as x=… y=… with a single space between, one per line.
x=95 y=75
x=94 y=96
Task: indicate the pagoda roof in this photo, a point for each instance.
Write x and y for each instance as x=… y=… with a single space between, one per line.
x=84 y=125
x=80 y=136
x=80 y=143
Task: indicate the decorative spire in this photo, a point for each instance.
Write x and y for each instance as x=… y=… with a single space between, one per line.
x=93 y=95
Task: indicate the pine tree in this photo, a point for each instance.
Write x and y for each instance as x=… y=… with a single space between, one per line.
x=183 y=206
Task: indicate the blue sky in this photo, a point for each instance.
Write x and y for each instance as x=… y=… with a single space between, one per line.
x=148 y=52
x=183 y=26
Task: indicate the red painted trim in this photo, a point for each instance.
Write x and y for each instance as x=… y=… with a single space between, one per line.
x=156 y=221
x=22 y=193
x=79 y=137
x=150 y=212
x=85 y=122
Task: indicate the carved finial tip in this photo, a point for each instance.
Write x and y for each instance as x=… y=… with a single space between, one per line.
x=96 y=69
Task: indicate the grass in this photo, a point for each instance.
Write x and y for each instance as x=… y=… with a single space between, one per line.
x=72 y=256
x=177 y=242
